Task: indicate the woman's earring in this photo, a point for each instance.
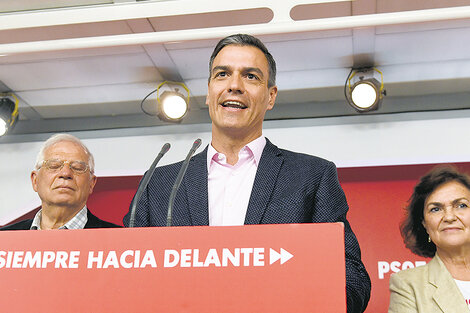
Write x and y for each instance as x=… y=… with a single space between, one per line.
x=429 y=238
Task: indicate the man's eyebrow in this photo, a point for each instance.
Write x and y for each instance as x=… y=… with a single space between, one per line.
x=253 y=69
x=220 y=68
x=244 y=70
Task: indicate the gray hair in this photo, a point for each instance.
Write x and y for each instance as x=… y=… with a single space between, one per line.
x=246 y=40
x=60 y=138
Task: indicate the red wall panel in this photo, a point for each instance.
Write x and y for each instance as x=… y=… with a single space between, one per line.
x=377 y=197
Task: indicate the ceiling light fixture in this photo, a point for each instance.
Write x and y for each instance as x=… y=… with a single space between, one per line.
x=366 y=92
x=172 y=105
x=8 y=113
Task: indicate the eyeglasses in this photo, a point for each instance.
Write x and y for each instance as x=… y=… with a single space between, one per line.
x=77 y=167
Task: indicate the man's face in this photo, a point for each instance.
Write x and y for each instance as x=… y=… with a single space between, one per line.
x=63 y=187
x=238 y=95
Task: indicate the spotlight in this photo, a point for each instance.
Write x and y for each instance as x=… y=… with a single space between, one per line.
x=172 y=105
x=366 y=93
x=8 y=114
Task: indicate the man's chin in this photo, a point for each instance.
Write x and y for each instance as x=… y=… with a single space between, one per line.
x=233 y=129
x=63 y=201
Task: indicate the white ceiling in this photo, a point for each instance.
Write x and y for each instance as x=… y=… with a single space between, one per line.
x=88 y=66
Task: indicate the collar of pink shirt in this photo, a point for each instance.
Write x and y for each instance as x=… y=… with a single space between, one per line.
x=254 y=148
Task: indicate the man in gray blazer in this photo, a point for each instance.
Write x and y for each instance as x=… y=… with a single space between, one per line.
x=241 y=177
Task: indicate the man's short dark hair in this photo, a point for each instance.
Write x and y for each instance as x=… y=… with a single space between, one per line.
x=412 y=230
x=246 y=40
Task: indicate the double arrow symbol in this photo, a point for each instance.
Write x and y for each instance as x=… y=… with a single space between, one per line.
x=274 y=256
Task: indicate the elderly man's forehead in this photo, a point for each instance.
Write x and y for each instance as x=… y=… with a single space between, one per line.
x=59 y=147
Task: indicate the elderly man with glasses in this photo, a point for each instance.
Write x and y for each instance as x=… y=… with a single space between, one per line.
x=63 y=178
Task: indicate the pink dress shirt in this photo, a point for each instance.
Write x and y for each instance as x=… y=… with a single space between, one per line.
x=229 y=186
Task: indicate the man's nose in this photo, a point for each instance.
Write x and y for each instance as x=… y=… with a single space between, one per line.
x=235 y=84
x=66 y=171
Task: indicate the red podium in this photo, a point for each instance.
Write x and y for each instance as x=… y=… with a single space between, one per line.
x=259 y=268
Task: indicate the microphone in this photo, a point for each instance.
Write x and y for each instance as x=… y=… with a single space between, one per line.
x=179 y=178
x=145 y=182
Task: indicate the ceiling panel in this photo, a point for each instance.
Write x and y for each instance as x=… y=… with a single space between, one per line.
x=312 y=79
x=65 y=31
x=212 y=19
x=424 y=46
x=406 y=5
x=96 y=87
x=80 y=72
x=321 y=10
x=405 y=28
x=63 y=55
x=192 y=63
x=335 y=52
x=24 y=5
x=62 y=97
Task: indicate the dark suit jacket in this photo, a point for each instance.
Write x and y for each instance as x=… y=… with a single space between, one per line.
x=93 y=222
x=288 y=188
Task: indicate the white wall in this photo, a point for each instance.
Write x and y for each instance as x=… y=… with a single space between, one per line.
x=409 y=138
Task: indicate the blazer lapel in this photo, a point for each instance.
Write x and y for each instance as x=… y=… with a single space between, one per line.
x=195 y=183
x=265 y=181
x=447 y=295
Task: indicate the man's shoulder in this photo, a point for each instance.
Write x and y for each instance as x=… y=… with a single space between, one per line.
x=298 y=157
x=303 y=157
x=96 y=222
x=199 y=158
x=21 y=225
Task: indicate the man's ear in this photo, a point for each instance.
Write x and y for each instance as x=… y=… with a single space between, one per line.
x=93 y=182
x=34 y=180
x=272 y=97
x=207 y=94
